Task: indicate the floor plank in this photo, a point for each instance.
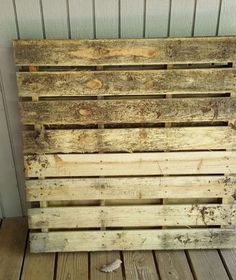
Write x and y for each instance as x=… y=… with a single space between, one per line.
x=72 y=266
x=38 y=266
x=13 y=235
x=173 y=265
x=229 y=259
x=98 y=259
x=140 y=265
x=207 y=264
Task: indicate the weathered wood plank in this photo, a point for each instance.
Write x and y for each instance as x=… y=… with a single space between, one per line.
x=139 y=265
x=12 y=247
x=128 y=111
x=173 y=265
x=38 y=266
x=206 y=264
x=125 y=51
x=98 y=259
x=229 y=260
x=72 y=266
x=129 y=140
x=130 y=164
x=132 y=240
x=125 y=82
x=130 y=188
x=131 y=216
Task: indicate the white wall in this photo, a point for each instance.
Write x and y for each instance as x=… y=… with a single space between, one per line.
x=25 y=19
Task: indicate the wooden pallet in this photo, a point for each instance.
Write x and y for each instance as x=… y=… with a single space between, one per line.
x=129 y=143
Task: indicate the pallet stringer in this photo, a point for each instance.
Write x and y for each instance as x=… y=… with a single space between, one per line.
x=39 y=128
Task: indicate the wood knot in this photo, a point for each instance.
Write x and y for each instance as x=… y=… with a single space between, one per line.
x=94 y=84
x=84 y=112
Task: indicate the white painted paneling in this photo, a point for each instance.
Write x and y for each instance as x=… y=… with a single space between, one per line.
x=107 y=18
x=132 y=18
x=157 y=18
x=55 y=14
x=8 y=30
x=81 y=18
x=227 y=25
x=29 y=19
x=182 y=14
x=10 y=200
x=206 y=11
x=9 y=194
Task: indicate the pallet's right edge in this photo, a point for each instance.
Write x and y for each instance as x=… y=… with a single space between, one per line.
x=153 y=239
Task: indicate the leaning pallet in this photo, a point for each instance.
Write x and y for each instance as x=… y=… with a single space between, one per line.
x=112 y=163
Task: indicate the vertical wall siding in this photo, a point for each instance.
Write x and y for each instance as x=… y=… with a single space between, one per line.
x=26 y=19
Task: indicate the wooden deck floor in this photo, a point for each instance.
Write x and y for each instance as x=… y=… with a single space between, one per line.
x=17 y=263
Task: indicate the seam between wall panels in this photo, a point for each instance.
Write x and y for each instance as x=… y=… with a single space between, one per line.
x=218 y=18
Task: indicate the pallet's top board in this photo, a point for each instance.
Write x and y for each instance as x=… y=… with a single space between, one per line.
x=125 y=51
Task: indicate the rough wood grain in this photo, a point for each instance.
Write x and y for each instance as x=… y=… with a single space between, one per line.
x=132 y=216
x=125 y=82
x=12 y=247
x=38 y=266
x=72 y=266
x=128 y=111
x=173 y=265
x=125 y=51
x=128 y=140
x=132 y=240
x=139 y=265
x=206 y=264
x=130 y=188
x=98 y=259
x=59 y=165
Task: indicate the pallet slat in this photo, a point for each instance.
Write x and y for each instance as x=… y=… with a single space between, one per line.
x=60 y=165
x=130 y=188
x=125 y=51
x=128 y=111
x=164 y=239
x=132 y=216
x=91 y=83
x=128 y=139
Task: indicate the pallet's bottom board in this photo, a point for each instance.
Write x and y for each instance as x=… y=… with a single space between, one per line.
x=156 y=239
